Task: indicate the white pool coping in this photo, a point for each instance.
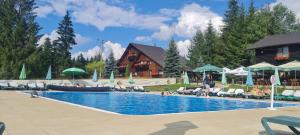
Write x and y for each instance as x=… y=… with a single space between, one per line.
x=179 y=113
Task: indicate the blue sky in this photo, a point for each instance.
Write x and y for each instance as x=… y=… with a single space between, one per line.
x=119 y=22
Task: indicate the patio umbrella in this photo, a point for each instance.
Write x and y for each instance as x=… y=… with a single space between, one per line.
x=294 y=65
x=73 y=71
x=23 y=73
x=186 y=80
x=208 y=67
x=262 y=67
x=277 y=80
x=112 y=78
x=95 y=76
x=49 y=75
x=130 y=79
x=249 y=81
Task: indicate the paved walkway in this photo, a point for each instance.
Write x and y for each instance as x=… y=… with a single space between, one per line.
x=28 y=116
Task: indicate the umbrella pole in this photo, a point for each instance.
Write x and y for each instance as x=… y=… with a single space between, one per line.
x=73 y=78
x=295 y=74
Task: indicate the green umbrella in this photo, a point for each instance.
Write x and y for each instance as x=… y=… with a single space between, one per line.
x=208 y=67
x=294 y=65
x=49 y=76
x=112 y=78
x=277 y=80
x=224 y=80
x=262 y=67
x=73 y=72
x=23 y=73
x=130 y=79
x=95 y=76
x=186 y=80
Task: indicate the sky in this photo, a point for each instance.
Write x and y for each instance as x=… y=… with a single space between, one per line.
x=116 y=23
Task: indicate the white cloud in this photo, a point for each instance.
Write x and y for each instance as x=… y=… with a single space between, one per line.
x=169 y=12
x=183 y=47
x=53 y=36
x=143 y=38
x=164 y=33
x=43 y=11
x=291 y=4
x=108 y=47
x=81 y=39
x=192 y=18
x=101 y=15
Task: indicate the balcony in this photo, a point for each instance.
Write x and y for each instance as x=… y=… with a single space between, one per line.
x=281 y=58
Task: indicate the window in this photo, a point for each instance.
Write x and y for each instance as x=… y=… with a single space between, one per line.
x=283 y=52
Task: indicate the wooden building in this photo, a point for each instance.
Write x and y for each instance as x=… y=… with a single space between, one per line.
x=278 y=49
x=142 y=60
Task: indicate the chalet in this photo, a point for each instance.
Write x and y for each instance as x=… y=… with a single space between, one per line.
x=278 y=49
x=142 y=60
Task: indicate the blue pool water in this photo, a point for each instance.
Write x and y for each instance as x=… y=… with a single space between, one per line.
x=147 y=104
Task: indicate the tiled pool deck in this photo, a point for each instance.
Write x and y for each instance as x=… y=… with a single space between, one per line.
x=37 y=116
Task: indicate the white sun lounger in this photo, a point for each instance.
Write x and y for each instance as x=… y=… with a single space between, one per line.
x=32 y=85
x=180 y=90
x=288 y=93
x=3 y=85
x=226 y=93
x=40 y=85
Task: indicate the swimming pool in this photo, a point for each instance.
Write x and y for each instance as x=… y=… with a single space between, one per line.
x=149 y=104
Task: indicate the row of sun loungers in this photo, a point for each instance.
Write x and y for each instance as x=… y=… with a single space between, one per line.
x=289 y=95
x=16 y=86
x=123 y=88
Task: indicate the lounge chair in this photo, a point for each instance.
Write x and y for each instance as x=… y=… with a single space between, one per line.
x=3 y=85
x=15 y=86
x=214 y=91
x=239 y=92
x=230 y=92
x=195 y=91
x=291 y=122
x=180 y=90
x=2 y=128
x=295 y=97
x=40 y=86
x=32 y=86
x=284 y=95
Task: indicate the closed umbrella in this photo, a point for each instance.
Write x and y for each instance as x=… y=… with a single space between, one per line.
x=186 y=80
x=249 y=81
x=112 y=78
x=49 y=75
x=277 y=80
x=224 y=80
x=95 y=76
x=23 y=73
x=130 y=79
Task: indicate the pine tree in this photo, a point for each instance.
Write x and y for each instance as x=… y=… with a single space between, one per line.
x=195 y=58
x=172 y=61
x=65 y=42
x=213 y=48
x=19 y=34
x=110 y=65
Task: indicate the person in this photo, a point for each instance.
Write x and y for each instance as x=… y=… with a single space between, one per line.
x=34 y=94
x=162 y=93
